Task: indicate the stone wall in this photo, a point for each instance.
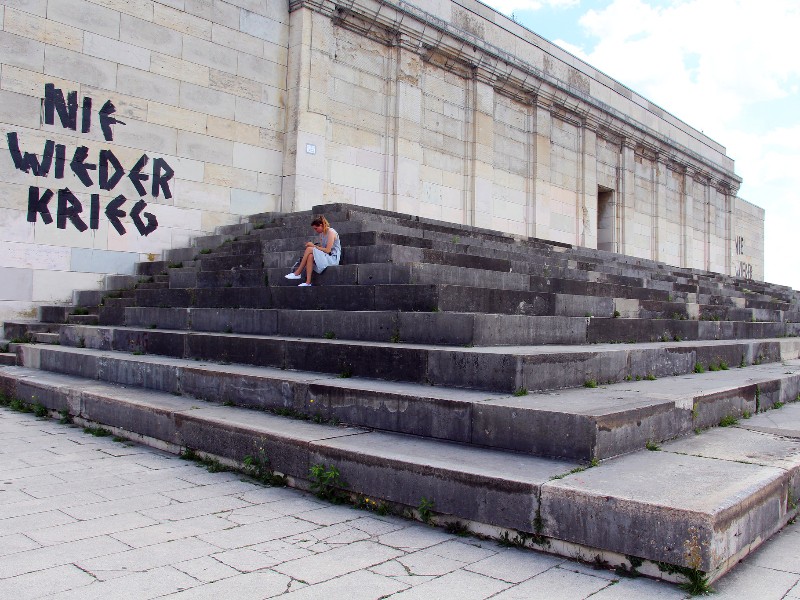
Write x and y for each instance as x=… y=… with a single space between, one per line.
x=196 y=86
x=130 y=126
x=449 y=110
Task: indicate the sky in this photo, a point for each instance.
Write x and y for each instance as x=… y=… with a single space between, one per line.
x=729 y=68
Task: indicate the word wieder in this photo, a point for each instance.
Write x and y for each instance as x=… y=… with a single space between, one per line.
x=108 y=168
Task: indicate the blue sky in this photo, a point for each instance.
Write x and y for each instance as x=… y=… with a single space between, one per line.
x=730 y=68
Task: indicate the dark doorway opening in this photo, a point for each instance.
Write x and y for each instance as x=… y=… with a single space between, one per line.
x=605 y=219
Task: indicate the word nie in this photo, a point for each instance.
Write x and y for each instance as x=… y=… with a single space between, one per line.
x=108 y=167
x=739 y=245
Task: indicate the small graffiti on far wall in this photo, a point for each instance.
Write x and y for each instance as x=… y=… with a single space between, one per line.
x=743 y=269
x=149 y=178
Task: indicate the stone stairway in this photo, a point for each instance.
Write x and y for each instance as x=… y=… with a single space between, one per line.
x=515 y=383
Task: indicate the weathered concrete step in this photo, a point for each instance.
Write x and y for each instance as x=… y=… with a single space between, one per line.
x=8 y=358
x=416 y=273
x=46 y=338
x=22 y=330
x=677 y=507
x=82 y=319
x=456 y=329
x=581 y=424
x=409 y=298
x=459 y=329
x=498 y=368
x=233 y=277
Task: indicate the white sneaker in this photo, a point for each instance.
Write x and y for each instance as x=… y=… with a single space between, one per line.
x=292 y=275
x=304 y=284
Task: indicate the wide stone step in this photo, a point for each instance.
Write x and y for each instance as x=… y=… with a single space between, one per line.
x=581 y=424
x=455 y=329
x=16 y=331
x=416 y=273
x=702 y=506
x=497 y=368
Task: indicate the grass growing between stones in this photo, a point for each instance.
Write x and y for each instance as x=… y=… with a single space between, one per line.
x=327 y=483
x=425 y=510
x=259 y=467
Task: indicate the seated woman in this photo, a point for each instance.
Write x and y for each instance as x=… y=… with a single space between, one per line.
x=321 y=255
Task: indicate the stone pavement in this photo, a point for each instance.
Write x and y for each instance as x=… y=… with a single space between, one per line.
x=88 y=517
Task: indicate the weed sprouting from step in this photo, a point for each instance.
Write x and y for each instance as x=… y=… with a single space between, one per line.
x=778 y=405
x=40 y=410
x=327 y=483
x=521 y=391
x=66 y=418
x=696 y=582
x=259 y=467
x=616 y=314
x=152 y=326
x=425 y=510
x=138 y=353
x=457 y=528
x=758 y=399
x=650 y=377
x=176 y=265
x=520 y=539
x=329 y=335
x=259 y=226
x=395 y=337
x=365 y=503
x=206 y=251
x=212 y=465
x=628 y=377
x=97 y=431
x=728 y=421
x=81 y=342
x=677 y=338
x=631 y=572
x=590 y=383
x=746 y=414
x=713 y=367
x=18 y=405
x=346 y=373
x=80 y=311
x=723 y=366
x=652 y=446
x=698 y=368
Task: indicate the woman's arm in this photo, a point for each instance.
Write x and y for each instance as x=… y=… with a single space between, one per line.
x=327 y=248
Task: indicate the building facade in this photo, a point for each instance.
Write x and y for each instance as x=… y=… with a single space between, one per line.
x=129 y=126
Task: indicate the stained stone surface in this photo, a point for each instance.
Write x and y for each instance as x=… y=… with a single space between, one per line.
x=127 y=536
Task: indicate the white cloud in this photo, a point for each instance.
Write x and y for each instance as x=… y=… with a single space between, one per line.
x=510 y=6
x=720 y=67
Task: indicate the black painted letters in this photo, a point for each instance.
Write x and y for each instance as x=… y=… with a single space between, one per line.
x=108 y=168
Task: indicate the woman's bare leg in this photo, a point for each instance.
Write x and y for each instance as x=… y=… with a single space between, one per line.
x=306 y=258
x=309 y=266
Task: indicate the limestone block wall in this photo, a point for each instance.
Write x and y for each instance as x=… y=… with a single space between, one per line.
x=446 y=109
x=101 y=99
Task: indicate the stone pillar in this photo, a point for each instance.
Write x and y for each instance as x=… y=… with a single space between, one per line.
x=660 y=174
x=687 y=230
x=707 y=224
x=530 y=183
x=304 y=163
x=587 y=187
x=627 y=202
x=543 y=121
x=479 y=209
x=408 y=130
